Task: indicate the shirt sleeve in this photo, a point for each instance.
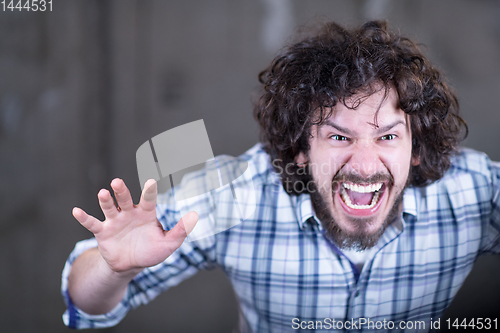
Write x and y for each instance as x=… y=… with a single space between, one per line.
x=147 y=285
x=493 y=229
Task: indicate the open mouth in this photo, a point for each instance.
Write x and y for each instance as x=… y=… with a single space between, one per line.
x=361 y=196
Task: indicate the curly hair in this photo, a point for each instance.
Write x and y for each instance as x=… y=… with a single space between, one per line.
x=307 y=79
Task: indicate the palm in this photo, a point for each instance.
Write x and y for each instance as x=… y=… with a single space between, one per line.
x=131 y=236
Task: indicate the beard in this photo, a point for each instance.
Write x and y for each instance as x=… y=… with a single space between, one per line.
x=359 y=239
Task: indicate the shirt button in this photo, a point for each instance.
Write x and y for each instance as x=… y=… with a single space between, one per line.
x=356 y=294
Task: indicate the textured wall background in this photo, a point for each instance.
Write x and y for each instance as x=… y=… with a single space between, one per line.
x=83 y=86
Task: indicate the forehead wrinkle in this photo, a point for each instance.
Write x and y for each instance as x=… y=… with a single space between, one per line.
x=385 y=98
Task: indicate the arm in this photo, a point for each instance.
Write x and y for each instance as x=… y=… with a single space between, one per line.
x=130 y=239
x=93 y=286
x=493 y=229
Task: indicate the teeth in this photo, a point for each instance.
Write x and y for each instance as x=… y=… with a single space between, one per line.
x=348 y=202
x=363 y=189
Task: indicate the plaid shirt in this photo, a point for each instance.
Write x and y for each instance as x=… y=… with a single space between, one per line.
x=286 y=273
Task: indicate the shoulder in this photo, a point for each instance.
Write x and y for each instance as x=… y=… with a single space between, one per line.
x=472 y=176
x=264 y=172
x=471 y=161
x=473 y=164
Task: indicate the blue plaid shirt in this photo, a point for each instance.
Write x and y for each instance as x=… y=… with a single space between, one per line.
x=286 y=273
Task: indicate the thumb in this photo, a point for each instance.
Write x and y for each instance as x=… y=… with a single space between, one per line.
x=183 y=228
x=189 y=221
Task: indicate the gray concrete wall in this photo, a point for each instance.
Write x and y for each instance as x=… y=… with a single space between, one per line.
x=82 y=87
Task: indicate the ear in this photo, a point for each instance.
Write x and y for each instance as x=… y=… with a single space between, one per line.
x=301 y=158
x=415 y=160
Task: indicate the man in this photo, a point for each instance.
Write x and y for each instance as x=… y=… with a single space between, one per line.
x=369 y=217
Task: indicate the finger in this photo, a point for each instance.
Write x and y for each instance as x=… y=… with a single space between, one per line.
x=122 y=194
x=182 y=229
x=107 y=204
x=89 y=222
x=148 y=197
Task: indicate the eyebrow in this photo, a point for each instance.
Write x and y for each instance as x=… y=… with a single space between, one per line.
x=337 y=127
x=390 y=126
x=349 y=132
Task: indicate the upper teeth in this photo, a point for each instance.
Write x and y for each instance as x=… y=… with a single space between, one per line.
x=363 y=189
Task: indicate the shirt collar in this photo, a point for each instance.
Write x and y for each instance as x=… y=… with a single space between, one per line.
x=303 y=209
x=411 y=201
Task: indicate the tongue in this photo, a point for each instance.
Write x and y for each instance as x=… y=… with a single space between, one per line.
x=360 y=198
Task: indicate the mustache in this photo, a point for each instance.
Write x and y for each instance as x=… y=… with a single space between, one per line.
x=342 y=177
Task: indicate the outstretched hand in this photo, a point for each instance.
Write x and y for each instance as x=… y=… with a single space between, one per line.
x=131 y=237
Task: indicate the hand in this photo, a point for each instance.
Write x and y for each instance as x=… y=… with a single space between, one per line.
x=131 y=237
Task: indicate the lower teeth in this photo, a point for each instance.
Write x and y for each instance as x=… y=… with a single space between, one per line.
x=349 y=204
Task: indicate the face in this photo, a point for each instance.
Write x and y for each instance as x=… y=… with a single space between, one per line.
x=360 y=161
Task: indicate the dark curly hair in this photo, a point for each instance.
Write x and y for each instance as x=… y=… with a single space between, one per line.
x=308 y=78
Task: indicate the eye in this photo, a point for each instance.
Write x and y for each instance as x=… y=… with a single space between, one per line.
x=337 y=137
x=388 y=137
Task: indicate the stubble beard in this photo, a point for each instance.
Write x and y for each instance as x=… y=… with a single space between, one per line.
x=359 y=239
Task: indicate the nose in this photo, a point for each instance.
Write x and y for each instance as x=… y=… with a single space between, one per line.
x=365 y=160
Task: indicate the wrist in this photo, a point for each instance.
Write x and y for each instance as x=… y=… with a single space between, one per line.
x=114 y=275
